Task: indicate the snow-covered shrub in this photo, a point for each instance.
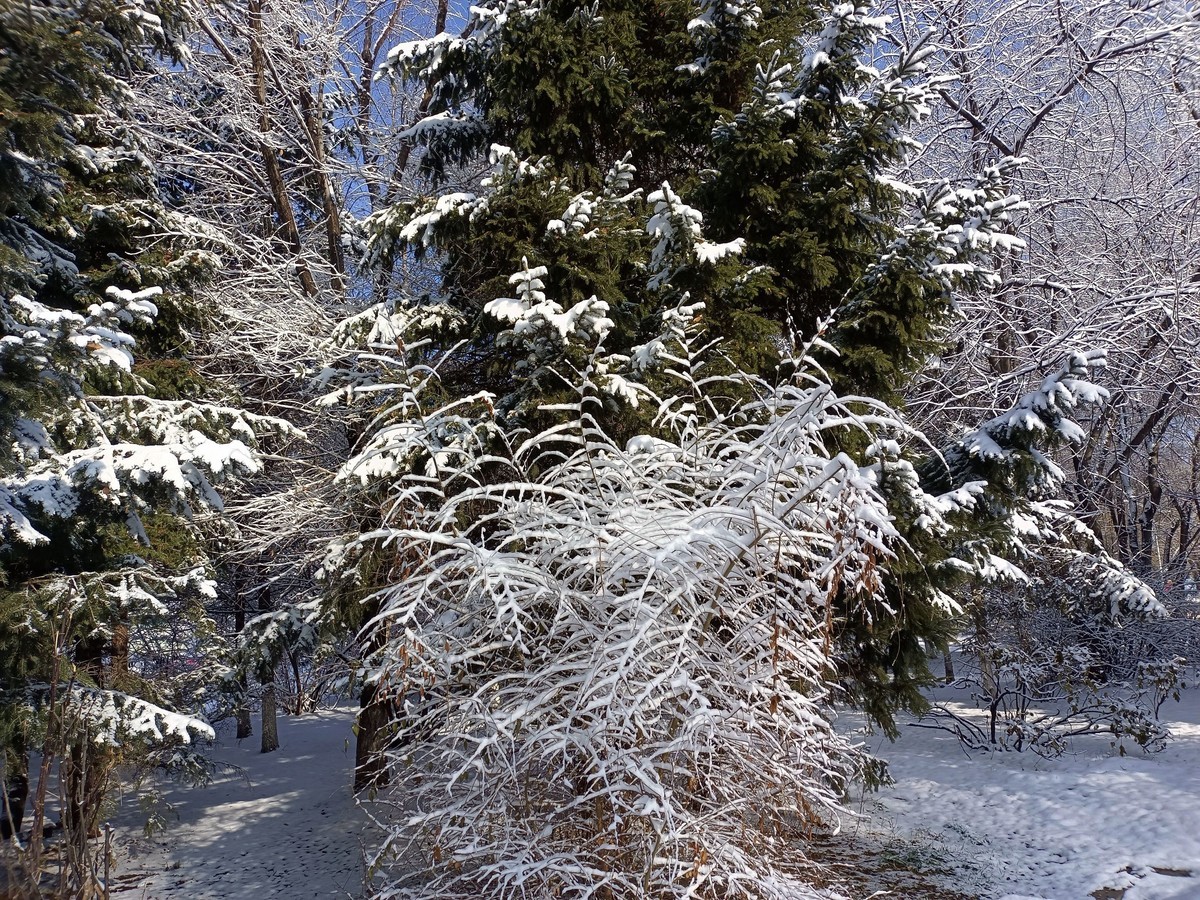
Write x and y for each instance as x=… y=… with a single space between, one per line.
x=612 y=663
x=1040 y=699
x=1043 y=671
x=577 y=628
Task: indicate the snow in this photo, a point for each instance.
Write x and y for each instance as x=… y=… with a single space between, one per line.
x=421 y=228
x=1006 y=826
x=1092 y=823
x=532 y=313
x=710 y=252
x=286 y=826
x=115 y=717
x=576 y=218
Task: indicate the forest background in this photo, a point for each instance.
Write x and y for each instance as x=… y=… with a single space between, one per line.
x=836 y=337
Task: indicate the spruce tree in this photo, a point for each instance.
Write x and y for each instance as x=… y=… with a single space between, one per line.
x=111 y=441
x=758 y=139
x=765 y=119
x=689 y=246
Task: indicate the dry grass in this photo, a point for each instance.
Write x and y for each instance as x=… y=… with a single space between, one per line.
x=862 y=867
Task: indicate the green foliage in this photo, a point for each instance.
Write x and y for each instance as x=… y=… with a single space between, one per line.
x=754 y=148
x=104 y=581
x=170 y=548
x=772 y=148
x=172 y=378
x=62 y=66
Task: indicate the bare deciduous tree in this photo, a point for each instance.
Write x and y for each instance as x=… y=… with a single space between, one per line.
x=1095 y=98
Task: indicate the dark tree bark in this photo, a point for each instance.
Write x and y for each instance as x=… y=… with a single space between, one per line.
x=330 y=205
x=16 y=787
x=948 y=664
x=245 y=727
x=1145 y=550
x=270 y=723
x=370 y=764
x=280 y=197
x=376 y=711
x=294 y=659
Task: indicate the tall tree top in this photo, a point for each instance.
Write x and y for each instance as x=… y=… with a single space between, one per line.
x=779 y=124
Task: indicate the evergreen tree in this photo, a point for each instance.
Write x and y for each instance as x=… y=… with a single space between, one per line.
x=689 y=219
x=739 y=155
x=105 y=457
x=764 y=119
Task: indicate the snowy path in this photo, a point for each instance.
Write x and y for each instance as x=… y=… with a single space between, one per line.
x=286 y=828
x=1088 y=826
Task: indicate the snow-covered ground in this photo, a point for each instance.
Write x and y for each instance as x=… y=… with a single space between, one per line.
x=1090 y=824
x=285 y=827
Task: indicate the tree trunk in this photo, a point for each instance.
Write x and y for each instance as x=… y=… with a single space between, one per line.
x=330 y=207
x=370 y=764
x=983 y=640
x=245 y=725
x=279 y=193
x=270 y=724
x=374 y=715
x=1146 y=541
x=16 y=787
x=241 y=711
x=294 y=659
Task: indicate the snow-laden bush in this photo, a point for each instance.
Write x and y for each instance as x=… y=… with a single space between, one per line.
x=613 y=664
x=1044 y=666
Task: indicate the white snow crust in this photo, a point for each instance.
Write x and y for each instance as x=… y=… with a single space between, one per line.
x=288 y=827
x=1006 y=826
x=1015 y=826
